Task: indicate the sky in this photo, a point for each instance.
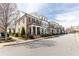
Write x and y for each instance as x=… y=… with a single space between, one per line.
x=66 y=14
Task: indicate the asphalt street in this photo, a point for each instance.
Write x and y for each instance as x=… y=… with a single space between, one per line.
x=64 y=45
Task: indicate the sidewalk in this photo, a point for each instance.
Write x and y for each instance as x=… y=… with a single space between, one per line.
x=18 y=41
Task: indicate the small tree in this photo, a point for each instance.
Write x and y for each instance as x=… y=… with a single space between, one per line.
x=10 y=31
x=13 y=31
x=22 y=32
x=7 y=11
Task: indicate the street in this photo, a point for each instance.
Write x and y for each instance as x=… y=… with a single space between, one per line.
x=63 y=45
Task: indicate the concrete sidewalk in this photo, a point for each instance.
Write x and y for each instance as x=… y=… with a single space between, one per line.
x=18 y=41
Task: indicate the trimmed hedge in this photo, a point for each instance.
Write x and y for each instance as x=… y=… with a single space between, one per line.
x=31 y=36
x=23 y=32
x=16 y=35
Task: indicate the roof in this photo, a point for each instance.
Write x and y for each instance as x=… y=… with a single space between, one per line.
x=22 y=14
x=41 y=17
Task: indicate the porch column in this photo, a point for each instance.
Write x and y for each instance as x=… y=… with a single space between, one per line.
x=40 y=30
x=36 y=30
x=31 y=30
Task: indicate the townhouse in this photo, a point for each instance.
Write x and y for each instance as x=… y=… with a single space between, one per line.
x=55 y=28
x=32 y=25
x=44 y=23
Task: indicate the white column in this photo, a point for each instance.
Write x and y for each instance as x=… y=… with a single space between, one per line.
x=44 y=30
x=31 y=30
x=40 y=30
x=36 y=30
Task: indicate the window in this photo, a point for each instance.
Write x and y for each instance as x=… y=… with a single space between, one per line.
x=30 y=31
x=38 y=31
x=34 y=31
x=42 y=24
x=38 y=22
x=29 y=19
x=33 y=20
x=23 y=20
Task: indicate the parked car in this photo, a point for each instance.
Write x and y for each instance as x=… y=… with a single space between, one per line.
x=2 y=35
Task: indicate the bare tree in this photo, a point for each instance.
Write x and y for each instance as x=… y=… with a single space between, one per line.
x=7 y=10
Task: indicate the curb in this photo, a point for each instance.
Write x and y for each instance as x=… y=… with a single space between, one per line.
x=16 y=43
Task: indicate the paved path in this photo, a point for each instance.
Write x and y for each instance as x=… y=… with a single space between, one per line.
x=62 y=45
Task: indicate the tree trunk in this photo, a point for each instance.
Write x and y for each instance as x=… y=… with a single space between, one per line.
x=5 y=34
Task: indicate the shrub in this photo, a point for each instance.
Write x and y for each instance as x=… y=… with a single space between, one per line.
x=10 y=31
x=31 y=37
x=7 y=35
x=13 y=34
x=23 y=32
x=24 y=36
x=16 y=34
x=46 y=35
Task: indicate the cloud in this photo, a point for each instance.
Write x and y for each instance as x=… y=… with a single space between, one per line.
x=68 y=19
x=34 y=7
x=30 y=7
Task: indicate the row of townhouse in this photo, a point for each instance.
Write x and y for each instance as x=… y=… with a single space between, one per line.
x=55 y=28
x=36 y=24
